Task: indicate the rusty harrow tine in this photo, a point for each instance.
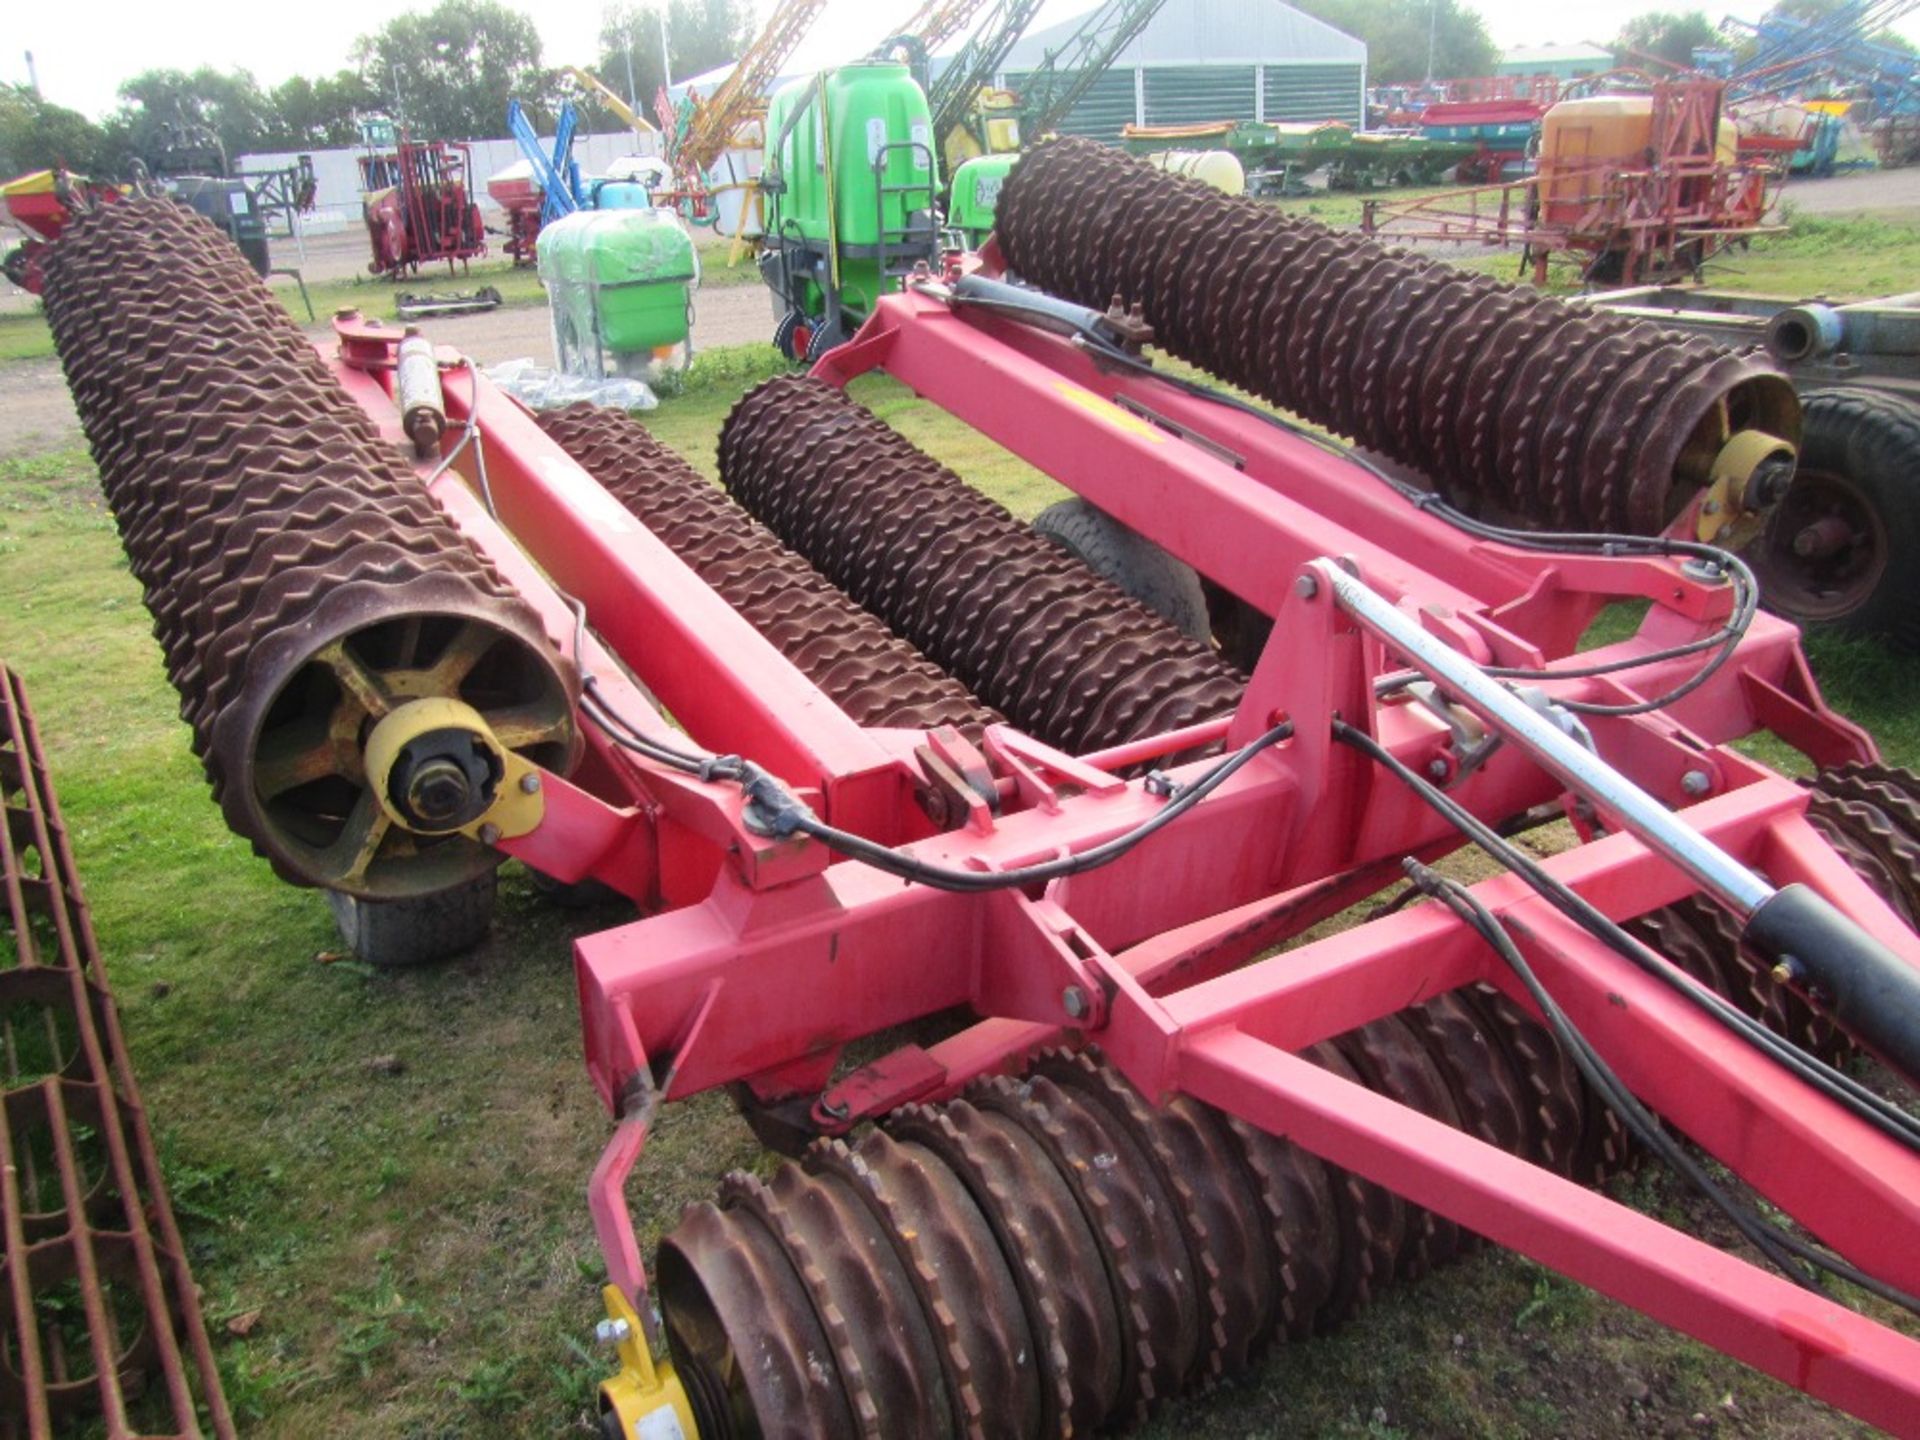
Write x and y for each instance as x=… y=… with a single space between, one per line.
x=66 y=973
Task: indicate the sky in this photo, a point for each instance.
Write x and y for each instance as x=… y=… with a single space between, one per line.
x=82 y=51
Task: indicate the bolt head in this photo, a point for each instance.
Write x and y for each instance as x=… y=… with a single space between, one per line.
x=490 y=834
x=1696 y=782
x=612 y=1332
x=439 y=791
x=1438 y=767
x=1074 y=1001
x=1306 y=587
x=530 y=784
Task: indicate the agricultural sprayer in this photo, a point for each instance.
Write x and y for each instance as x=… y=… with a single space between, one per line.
x=922 y=761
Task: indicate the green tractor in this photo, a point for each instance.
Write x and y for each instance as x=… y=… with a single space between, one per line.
x=851 y=185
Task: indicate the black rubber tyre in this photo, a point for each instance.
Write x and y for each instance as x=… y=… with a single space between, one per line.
x=1149 y=574
x=826 y=335
x=791 y=325
x=1838 y=550
x=395 y=934
x=579 y=895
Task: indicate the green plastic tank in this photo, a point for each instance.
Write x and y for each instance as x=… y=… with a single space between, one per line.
x=852 y=154
x=976 y=193
x=618 y=282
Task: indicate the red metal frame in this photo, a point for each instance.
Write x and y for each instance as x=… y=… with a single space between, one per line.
x=764 y=959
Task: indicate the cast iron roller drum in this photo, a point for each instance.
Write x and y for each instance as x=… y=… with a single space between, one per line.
x=1285 y=308
x=297 y=753
x=300 y=626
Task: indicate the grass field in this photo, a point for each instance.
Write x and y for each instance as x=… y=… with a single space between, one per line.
x=381 y=1174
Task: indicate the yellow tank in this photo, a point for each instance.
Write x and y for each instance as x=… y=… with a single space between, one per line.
x=1219 y=168
x=1576 y=136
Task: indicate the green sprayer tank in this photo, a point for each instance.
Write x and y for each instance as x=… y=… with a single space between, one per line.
x=976 y=194
x=850 y=182
x=619 y=283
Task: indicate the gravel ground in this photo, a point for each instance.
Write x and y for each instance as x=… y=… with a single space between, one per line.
x=1862 y=192
x=36 y=413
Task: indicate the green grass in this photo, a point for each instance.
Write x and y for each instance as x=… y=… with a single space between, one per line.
x=412 y=1232
x=24 y=336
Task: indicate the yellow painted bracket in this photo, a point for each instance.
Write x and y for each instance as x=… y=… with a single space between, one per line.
x=1726 y=517
x=646 y=1395
x=518 y=805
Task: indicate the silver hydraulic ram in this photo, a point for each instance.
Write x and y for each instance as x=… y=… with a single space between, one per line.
x=1868 y=988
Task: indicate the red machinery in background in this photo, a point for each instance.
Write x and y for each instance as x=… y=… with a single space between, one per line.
x=39 y=204
x=419 y=206
x=1030 y=797
x=1649 y=192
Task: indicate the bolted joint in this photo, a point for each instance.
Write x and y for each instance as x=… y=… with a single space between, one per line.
x=612 y=1332
x=1074 y=1001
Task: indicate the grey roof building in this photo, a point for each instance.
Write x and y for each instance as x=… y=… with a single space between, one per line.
x=1202 y=60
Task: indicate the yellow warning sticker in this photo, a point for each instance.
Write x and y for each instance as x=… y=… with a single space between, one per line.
x=1102 y=408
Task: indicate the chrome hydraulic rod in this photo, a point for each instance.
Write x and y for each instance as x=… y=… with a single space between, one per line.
x=1871 y=989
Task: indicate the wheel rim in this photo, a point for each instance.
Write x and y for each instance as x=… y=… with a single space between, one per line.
x=1824 y=550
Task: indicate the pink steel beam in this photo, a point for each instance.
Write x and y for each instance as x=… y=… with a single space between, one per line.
x=1804 y=1339
x=1247 y=527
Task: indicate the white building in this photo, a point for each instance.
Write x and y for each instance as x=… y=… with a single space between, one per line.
x=1203 y=60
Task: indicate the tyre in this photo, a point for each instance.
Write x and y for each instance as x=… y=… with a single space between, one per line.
x=791 y=335
x=578 y=895
x=826 y=335
x=1167 y=586
x=1827 y=555
x=394 y=934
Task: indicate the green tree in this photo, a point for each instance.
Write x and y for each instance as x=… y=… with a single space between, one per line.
x=700 y=35
x=163 y=105
x=315 y=114
x=1401 y=34
x=1665 y=35
x=449 y=71
x=35 y=135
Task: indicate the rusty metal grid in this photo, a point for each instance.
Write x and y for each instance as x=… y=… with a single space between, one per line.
x=100 y=1327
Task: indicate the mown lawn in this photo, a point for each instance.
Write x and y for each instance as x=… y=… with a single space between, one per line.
x=382 y=1174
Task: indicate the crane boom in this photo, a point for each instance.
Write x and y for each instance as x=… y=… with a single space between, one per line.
x=742 y=92
x=976 y=63
x=610 y=98
x=938 y=21
x=1065 y=75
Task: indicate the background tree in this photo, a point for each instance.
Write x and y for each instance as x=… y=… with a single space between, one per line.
x=700 y=35
x=159 y=103
x=1397 y=32
x=35 y=135
x=1665 y=36
x=317 y=114
x=455 y=67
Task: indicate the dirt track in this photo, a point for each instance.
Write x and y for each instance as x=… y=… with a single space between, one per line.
x=36 y=414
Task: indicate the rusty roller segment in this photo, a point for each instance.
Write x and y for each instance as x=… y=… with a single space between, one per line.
x=100 y=1325
x=1120 y=1253
x=1053 y=1255
x=876 y=677
x=304 y=585
x=1510 y=400
x=1064 y=654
